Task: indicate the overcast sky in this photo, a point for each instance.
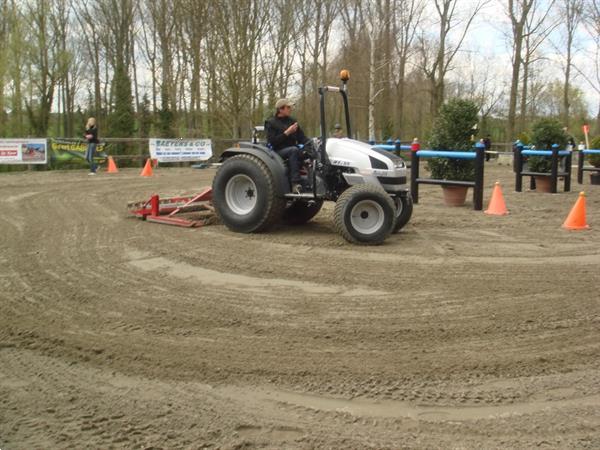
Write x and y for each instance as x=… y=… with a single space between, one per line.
x=488 y=44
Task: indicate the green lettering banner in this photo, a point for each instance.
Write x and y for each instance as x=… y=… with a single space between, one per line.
x=68 y=149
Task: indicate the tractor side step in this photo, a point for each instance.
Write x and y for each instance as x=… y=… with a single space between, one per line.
x=304 y=195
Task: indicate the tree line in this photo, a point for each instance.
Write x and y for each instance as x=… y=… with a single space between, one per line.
x=189 y=68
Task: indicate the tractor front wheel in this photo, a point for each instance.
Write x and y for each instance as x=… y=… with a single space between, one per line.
x=365 y=214
x=404 y=209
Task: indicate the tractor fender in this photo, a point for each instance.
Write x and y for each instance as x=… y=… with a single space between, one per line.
x=272 y=160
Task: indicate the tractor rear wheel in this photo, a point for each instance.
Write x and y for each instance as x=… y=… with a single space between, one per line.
x=244 y=195
x=365 y=214
x=301 y=211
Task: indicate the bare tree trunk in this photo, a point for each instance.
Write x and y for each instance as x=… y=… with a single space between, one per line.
x=371 y=99
x=16 y=54
x=527 y=19
x=387 y=106
x=136 y=93
x=572 y=12
x=567 y=89
x=410 y=14
x=437 y=97
x=519 y=127
x=44 y=44
x=4 y=33
x=518 y=22
x=399 y=121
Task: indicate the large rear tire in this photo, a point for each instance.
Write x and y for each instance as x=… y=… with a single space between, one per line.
x=244 y=195
x=301 y=211
x=365 y=214
x=404 y=209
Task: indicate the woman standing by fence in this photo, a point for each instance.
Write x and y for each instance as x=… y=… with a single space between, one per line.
x=91 y=134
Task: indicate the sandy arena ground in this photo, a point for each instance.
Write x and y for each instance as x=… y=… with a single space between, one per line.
x=462 y=331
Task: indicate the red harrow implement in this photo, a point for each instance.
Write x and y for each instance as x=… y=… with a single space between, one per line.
x=164 y=210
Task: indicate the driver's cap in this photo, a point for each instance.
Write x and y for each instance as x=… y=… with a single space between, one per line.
x=283 y=102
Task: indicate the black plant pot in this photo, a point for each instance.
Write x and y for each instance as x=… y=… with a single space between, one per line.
x=595 y=178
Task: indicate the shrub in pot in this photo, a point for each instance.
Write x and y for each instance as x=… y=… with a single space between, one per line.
x=544 y=134
x=452 y=131
x=594 y=160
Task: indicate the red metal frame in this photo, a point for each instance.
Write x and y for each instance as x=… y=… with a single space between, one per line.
x=163 y=210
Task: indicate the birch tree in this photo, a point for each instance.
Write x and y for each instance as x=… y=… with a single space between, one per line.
x=373 y=23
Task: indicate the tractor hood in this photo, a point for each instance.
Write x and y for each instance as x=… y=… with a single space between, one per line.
x=361 y=156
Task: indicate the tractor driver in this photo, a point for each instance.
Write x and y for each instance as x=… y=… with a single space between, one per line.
x=284 y=134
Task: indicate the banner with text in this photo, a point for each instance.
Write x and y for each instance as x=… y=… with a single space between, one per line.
x=178 y=150
x=23 y=151
x=66 y=149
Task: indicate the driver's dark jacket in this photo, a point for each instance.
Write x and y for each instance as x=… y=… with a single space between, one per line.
x=275 y=127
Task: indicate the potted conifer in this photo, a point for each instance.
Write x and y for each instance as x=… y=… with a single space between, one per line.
x=544 y=134
x=594 y=160
x=453 y=130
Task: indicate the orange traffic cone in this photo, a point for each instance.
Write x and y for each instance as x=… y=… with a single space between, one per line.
x=147 y=170
x=497 y=207
x=576 y=218
x=112 y=167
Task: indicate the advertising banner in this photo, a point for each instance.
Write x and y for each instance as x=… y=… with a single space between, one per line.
x=23 y=151
x=67 y=149
x=178 y=150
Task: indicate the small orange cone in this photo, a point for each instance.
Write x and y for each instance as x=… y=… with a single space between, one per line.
x=147 y=170
x=112 y=167
x=576 y=218
x=497 y=207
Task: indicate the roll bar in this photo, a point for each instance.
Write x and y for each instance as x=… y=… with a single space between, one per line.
x=343 y=90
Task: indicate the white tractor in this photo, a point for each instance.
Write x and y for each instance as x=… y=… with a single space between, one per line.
x=252 y=191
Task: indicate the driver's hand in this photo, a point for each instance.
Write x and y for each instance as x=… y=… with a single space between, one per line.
x=291 y=129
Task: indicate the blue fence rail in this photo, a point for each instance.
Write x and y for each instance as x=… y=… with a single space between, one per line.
x=392 y=146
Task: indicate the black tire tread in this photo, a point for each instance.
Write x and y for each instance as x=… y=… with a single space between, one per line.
x=276 y=204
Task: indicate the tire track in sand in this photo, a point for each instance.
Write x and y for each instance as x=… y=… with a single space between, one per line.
x=264 y=286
